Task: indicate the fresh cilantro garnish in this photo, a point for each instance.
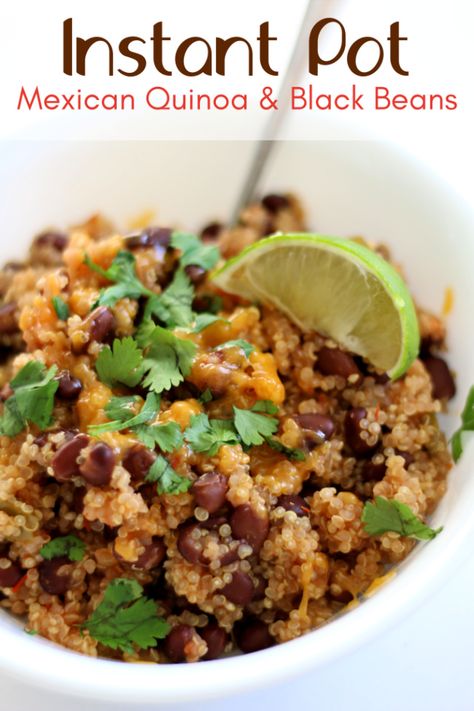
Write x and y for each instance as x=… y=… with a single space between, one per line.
x=253 y=428
x=294 y=454
x=32 y=633
x=207 y=436
x=237 y=343
x=122 y=272
x=32 y=400
x=123 y=408
x=266 y=406
x=167 y=437
x=173 y=306
x=123 y=416
x=391 y=515
x=61 y=308
x=467 y=425
x=193 y=251
x=168 y=359
x=168 y=481
x=202 y=321
x=70 y=546
x=206 y=396
x=125 y=618
x=120 y=364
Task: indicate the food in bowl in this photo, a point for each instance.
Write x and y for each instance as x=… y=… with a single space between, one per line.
x=185 y=472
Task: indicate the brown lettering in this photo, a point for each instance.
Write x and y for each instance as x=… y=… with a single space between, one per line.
x=222 y=47
x=394 y=40
x=315 y=59
x=206 y=68
x=353 y=52
x=124 y=48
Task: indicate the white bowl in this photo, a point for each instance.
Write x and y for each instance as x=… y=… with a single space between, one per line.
x=348 y=188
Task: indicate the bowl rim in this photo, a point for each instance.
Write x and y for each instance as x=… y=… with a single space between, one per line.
x=47 y=665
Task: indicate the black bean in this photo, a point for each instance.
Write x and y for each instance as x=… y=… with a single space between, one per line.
x=211 y=231
x=190 y=547
x=295 y=503
x=10 y=576
x=8 y=320
x=69 y=387
x=442 y=381
x=246 y=524
x=215 y=638
x=333 y=361
x=252 y=635
x=274 y=203
x=52 y=578
x=195 y=273
x=156 y=238
x=209 y=491
x=240 y=590
x=138 y=460
x=321 y=427
x=373 y=472
x=353 y=430
x=102 y=324
x=64 y=462
x=153 y=555
x=381 y=378
x=176 y=642
x=56 y=240
x=99 y=464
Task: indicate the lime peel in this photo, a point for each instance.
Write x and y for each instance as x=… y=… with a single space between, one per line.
x=335 y=286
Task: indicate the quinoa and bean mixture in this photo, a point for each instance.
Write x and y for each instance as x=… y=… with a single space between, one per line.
x=183 y=473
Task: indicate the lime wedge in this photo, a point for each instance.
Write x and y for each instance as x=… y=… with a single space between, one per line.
x=334 y=286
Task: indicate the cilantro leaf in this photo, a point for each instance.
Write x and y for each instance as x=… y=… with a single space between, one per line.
x=122 y=272
x=70 y=546
x=266 y=406
x=253 y=428
x=168 y=481
x=392 y=515
x=296 y=455
x=193 y=251
x=121 y=409
x=173 y=306
x=167 y=437
x=33 y=388
x=120 y=364
x=237 y=343
x=124 y=618
x=204 y=320
x=61 y=308
x=467 y=425
x=168 y=358
x=207 y=436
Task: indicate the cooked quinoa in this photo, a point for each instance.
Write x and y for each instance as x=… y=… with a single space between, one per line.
x=255 y=545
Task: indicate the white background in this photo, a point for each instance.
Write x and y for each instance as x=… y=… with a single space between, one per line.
x=426 y=662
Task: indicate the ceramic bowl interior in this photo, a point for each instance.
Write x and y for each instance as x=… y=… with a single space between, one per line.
x=348 y=188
